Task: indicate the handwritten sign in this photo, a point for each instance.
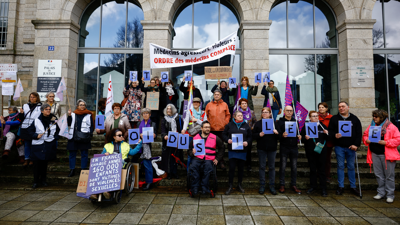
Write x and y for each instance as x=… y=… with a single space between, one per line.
x=266 y=77
x=148 y=135
x=152 y=100
x=83 y=179
x=232 y=82
x=133 y=136
x=183 y=142
x=198 y=145
x=237 y=141
x=375 y=134
x=257 y=77
x=164 y=76
x=188 y=75
x=268 y=126
x=345 y=128
x=133 y=76
x=146 y=75
x=312 y=129
x=290 y=128
x=104 y=174
x=100 y=122
x=172 y=139
x=217 y=72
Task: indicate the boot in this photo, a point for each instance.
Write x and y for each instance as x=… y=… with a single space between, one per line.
x=296 y=190
x=324 y=193
x=30 y=163
x=71 y=173
x=261 y=190
x=147 y=187
x=272 y=190
x=26 y=162
x=5 y=154
x=21 y=159
x=240 y=188
x=339 y=191
x=228 y=192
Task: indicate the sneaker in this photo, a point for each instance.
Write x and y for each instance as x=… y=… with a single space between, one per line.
x=389 y=200
x=5 y=154
x=377 y=197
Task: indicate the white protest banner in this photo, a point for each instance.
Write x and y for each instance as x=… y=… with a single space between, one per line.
x=161 y=57
x=110 y=98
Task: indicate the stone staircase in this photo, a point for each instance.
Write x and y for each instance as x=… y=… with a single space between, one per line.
x=11 y=172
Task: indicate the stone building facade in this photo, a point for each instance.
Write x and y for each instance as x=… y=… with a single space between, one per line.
x=33 y=25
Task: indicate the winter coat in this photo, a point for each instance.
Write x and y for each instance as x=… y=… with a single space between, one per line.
x=55 y=108
x=123 y=125
x=166 y=127
x=165 y=98
x=276 y=105
x=218 y=115
x=74 y=146
x=392 y=139
x=289 y=142
x=225 y=95
x=310 y=144
x=329 y=142
x=356 y=131
x=268 y=142
x=232 y=128
x=252 y=91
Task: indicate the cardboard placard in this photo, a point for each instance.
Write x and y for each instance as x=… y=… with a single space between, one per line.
x=152 y=100
x=84 y=177
x=217 y=72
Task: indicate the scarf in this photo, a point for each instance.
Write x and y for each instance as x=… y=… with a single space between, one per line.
x=84 y=112
x=223 y=90
x=10 y=118
x=323 y=116
x=246 y=114
x=238 y=123
x=150 y=88
x=169 y=90
x=197 y=114
x=384 y=126
x=46 y=121
x=146 y=151
x=171 y=120
x=272 y=90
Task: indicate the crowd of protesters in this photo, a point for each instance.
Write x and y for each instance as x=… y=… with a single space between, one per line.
x=34 y=132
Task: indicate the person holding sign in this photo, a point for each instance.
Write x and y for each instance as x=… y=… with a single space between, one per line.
x=223 y=87
x=171 y=122
x=237 y=158
x=134 y=102
x=11 y=124
x=250 y=118
x=267 y=136
x=203 y=164
x=146 y=147
x=168 y=94
x=383 y=154
x=186 y=92
x=155 y=114
x=271 y=94
x=246 y=91
x=288 y=149
x=116 y=120
x=27 y=114
x=345 y=147
x=115 y=145
x=44 y=132
x=325 y=118
x=81 y=123
x=316 y=156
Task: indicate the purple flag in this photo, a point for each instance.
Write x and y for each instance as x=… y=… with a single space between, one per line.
x=288 y=93
x=301 y=115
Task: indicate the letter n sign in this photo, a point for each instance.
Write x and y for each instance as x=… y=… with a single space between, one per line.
x=312 y=129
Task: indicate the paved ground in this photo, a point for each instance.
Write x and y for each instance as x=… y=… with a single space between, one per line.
x=157 y=207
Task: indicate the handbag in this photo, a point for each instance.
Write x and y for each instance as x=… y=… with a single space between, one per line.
x=318 y=147
x=124 y=101
x=194 y=129
x=80 y=136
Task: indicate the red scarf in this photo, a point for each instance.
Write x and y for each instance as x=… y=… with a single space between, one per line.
x=84 y=112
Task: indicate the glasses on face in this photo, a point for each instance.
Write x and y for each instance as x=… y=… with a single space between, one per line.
x=375 y=116
x=117 y=109
x=152 y=82
x=118 y=135
x=265 y=112
x=168 y=82
x=51 y=96
x=82 y=105
x=315 y=116
x=288 y=110
x=48 y=109
x=208 y=127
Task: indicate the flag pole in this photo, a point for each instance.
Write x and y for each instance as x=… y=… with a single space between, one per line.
x=295 y=117
x=68 y=100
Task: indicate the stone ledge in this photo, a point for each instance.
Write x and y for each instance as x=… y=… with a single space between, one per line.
x=157 y=25
x=255 y=25
x=29 y=40
x=56 y=24
x=355 y=24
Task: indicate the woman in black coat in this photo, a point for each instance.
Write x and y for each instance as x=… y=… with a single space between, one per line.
x=168 y=95
x=44 y=132
x=237 y=158
x=170 y=122
x=80 y=120
x=186 y=91
x=316 y=160
x=266 y=149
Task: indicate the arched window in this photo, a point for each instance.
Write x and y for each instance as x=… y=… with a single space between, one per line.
x=303 y=44
x=198 y=24
x=387 y=57
x=110 y=43
x=3 y=23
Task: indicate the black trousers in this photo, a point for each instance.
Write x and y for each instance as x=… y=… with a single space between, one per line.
x=39 y=171
x=200 y=171
x=233 y=163
x=317 y=164
x=248 y=155
x=219 y=134
x=291 y=153
x=168 y=162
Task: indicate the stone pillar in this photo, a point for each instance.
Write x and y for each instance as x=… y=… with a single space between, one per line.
x=157 y=32
x=255 y=54
x=356 y=49
x=63 y=35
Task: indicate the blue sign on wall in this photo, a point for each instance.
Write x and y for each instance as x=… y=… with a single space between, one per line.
x=50 y=48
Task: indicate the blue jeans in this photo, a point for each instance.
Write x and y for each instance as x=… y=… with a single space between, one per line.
x=348 y=155
x=28 y=146
x=148 y=168
x=275 y=113
x=263 y=156
x=84 y=159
